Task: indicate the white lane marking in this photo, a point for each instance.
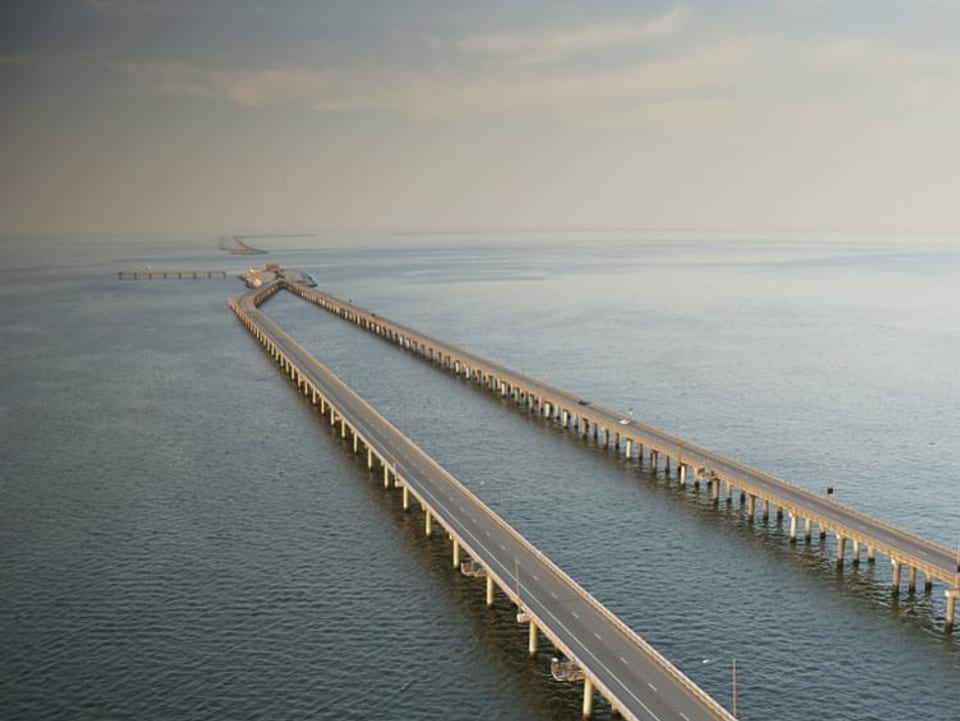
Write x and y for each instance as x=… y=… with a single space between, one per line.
x=684 y=715
x=625 y=662
x=536 y=578
x=651 y=686
x=502 y=547
x=488 y=533
x=553 y=594
x=597 y=636
x=575 y=614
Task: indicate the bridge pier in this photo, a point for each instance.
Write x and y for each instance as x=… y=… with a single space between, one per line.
x=490 y=588
x=841 y=545
x=456 y=553
x=807 y=529
x=406 y=497
x=386 y=475
x=587 y=697
x=896 y=574
x=951 y=594
x=751 y=507
x=628 y=449
x=793 y=528
x=532 y=639
x=369 y=458
x=766 y=510
x=427 y=522
x=683 y=475
x=912 y=579
x=856 y=553
x=871 y=554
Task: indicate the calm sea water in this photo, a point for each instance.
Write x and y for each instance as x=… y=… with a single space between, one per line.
x=181 y=536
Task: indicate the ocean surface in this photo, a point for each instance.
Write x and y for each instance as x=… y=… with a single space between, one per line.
x=183 y=537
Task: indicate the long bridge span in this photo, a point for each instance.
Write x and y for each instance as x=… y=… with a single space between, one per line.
x=601 y=651
x=758 y=492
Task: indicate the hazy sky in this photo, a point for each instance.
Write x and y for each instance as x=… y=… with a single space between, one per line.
x=228 y=115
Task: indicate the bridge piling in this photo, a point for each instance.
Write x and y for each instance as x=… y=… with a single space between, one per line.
x=532 y=639
x=951 y=595
x=427 y=522
x=896 y=574
x=490 y=588
x=587 y=697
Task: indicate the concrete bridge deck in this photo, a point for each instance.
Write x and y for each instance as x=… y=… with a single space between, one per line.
x=636 y=680
x=635 y=439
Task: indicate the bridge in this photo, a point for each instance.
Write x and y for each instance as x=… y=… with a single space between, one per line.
x=167 y=274
x=758 y=492
x=601 y=651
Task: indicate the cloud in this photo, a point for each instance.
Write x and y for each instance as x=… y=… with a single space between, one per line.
x=755 y=71
x=121 y=8
x=552 y=46
x=249 y=88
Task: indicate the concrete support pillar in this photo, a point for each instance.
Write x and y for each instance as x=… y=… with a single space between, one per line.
x=871 y=554
x=427 y=523
x=683 y=475
x=766 y=510
x=779 y=513
x=855 y=560
x=386 y=476
x=897 y=567
x=715 y=491
x=751 y=506
x=406 y=497
x=666 y=465
x=793 y=528
x=654 y=460
x=587 y=698
x=564 y=416
x=343 y=428
x=927 y=582
x=912 y=579
x=456 y=553
x=356 y=442
x=729 y=492
x=333 y=416
x=369 y=458
x=841 y=546
x=532 y=639
x=628 y=449
x=951 y=594
x=807 y=530
x=489 y=590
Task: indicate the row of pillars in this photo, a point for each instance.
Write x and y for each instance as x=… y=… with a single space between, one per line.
x=532 y=631
x=571 y=419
